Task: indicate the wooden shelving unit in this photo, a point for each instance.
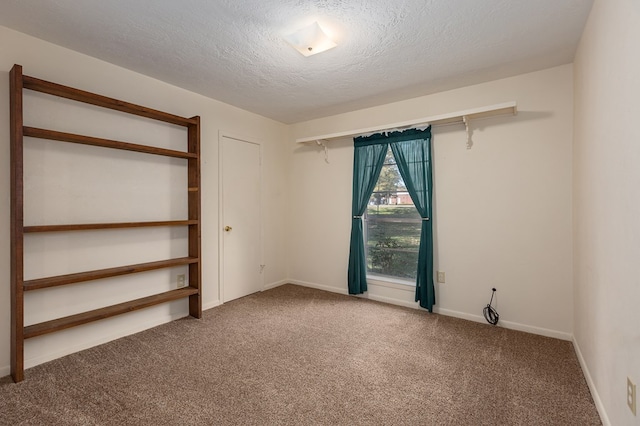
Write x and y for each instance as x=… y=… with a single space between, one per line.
x=19 y=83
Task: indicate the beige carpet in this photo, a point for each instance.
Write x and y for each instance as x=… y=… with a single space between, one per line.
x=298 y=356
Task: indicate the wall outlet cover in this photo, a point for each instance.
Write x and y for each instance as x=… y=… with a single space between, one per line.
x=181 y=280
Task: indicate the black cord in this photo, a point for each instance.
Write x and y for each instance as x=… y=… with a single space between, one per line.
x=490 y=314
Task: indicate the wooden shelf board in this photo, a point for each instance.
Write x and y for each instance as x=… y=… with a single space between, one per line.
x=96 y=226
x=507 y=108
x=53 y=135
x=59 y=280
x=106 y=312
x=55 y=89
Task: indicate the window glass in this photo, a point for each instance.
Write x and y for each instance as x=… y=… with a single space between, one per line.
x=392 y=226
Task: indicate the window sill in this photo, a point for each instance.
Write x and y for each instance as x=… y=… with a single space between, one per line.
x=396 y=283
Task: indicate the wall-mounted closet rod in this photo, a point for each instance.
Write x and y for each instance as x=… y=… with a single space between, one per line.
x=459 y=117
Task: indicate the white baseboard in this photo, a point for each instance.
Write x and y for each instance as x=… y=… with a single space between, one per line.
x=508 y=324
x=592 y=386
x=447 y=312
x=319 y=286
x=32 y=362
x=275 y=284
x=210 y=305
x=5 y=370
x=216 y=303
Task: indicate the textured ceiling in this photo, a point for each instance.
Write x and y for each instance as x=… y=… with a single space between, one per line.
x=388 y=50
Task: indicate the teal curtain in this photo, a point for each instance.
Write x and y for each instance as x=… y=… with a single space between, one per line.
x=368 y=159
x=412 y=151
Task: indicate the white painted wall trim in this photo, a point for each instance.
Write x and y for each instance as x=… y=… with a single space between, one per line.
x=211 y=305
x=508 y=324
x=447 y=312
x=217 y=303
x=319 y=286
x=592 y=386
x=68 y=350
x=5 y=370
x=275 y=284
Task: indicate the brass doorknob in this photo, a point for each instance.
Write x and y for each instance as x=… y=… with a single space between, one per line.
x=228 y=228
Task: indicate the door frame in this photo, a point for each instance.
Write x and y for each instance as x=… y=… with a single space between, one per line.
x=239 y=138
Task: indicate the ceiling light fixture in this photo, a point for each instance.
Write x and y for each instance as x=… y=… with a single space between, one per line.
x=310 y=40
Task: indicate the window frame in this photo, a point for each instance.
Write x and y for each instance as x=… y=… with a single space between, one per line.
x=390 y=281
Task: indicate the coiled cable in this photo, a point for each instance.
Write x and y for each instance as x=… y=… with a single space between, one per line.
x=490 y=314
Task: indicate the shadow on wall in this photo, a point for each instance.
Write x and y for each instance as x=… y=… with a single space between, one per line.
x=333 y=144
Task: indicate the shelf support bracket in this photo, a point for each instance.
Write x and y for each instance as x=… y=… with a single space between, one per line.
x=323 y=144
x=466 y=120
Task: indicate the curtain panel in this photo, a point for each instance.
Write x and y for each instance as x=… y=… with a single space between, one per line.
x=412 y=152
x=367 y=162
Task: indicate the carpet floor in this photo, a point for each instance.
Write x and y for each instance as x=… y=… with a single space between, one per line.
x=299 y=356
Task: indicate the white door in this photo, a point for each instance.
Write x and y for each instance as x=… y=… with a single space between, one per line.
x=241 y=245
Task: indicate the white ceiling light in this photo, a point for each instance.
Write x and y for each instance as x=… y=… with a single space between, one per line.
x=310 y=40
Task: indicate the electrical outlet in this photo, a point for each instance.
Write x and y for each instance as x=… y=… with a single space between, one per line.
x=441 y=277
x=181 y=280
x=631 y=396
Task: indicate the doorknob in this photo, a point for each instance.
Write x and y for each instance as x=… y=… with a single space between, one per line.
x=228 y=228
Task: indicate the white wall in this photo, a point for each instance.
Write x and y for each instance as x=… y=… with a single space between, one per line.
x=502 y=208
x=607 y=205
x=51 y=171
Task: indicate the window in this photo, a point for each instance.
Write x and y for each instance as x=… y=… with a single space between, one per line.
x=392 y=227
